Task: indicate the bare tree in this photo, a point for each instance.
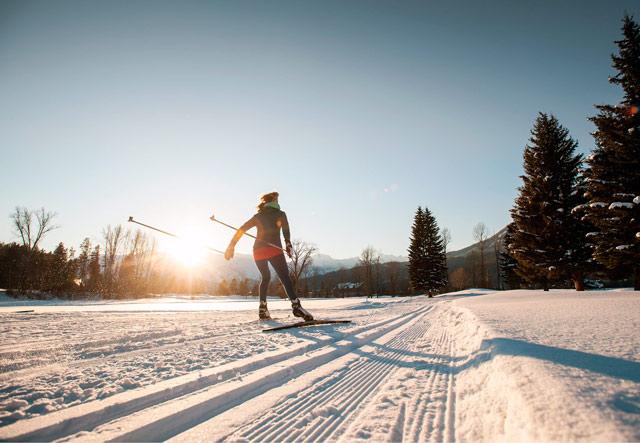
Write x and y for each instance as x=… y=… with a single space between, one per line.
x=115 y=240
x=135 y=268
x=377 y=271
x=480 y=234
x=369 y=258
x=445 y=233
x=393 y=274
x=458 y=279
x=23 y=222
x=301 y=260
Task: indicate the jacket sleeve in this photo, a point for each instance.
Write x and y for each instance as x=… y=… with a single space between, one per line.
x=252 y=222
x=242 y=229
x=285 y=228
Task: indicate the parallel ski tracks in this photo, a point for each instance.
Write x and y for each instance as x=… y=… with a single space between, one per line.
x=25 y=362
x=362 y=381
x=340 y=398
x=433 y=403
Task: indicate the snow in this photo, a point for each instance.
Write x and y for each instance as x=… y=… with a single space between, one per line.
x=623 y=195
x=474 y=365
x=621 y=205
x=637 y=200
x=598 y=205
x=578 y=208
x=623 y=247
x=564 y=366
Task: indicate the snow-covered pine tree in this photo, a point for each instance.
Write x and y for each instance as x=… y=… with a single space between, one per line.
x=613 y=174
x=417 y=248
x=507 y=263
x=548 y=240
x=427 y=257
x=436 y=255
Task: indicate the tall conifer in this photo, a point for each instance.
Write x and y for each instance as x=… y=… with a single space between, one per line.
x=613 y=174
x=427 y=257
x=417 y=248
x=548 y=240
x=507 y=263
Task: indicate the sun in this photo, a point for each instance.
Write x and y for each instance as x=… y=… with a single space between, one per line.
x=188 y=250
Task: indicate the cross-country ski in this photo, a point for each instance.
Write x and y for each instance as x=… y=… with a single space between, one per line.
x=302 y=324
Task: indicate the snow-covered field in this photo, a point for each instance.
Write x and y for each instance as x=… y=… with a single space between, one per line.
x=470 y=366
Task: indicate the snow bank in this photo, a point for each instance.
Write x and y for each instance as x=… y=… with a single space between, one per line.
x=621 y=205
x=556 y=366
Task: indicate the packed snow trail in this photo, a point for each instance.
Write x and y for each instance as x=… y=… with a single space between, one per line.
x=333 y=397
x=471 y=366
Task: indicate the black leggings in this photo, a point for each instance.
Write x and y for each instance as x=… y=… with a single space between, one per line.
x=280 y=265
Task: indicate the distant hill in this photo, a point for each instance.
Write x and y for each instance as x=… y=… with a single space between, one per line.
x=325 y=263
x=242 y=265
x=489 y=245
x=463 y=265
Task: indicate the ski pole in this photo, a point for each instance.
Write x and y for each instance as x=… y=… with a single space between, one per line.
x=214 y=219
x=131 y=220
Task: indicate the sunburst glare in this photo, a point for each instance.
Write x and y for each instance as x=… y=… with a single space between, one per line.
x=188 y=250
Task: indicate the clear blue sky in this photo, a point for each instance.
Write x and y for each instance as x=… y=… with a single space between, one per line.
x=357 y=112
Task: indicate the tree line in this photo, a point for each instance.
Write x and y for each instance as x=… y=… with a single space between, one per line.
x=125 y=264
x=577 y=217
x=573 y=218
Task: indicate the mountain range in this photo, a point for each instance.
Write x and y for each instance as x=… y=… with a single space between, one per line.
x=242 y=266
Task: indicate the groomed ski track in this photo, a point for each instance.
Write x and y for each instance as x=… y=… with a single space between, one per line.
x=469 y=366
x=391 y=370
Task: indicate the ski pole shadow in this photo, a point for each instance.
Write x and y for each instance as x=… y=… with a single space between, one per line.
x=614 y=367
x=626 y=402
x=610 y=366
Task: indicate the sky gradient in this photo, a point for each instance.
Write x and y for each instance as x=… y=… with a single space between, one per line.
x=356 y=112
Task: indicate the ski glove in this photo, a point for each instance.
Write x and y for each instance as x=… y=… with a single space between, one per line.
x=228 y=254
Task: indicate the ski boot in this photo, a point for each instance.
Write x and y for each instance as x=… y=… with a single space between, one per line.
x=263 y=312
x=299 y=311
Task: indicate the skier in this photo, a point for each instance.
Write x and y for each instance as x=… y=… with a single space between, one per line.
x=269 y=220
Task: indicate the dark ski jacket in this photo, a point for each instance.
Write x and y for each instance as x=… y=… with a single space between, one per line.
x=269 y=221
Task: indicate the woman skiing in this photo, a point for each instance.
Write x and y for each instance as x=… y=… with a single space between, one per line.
x=269 y=220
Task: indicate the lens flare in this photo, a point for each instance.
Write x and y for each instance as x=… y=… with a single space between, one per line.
x=188 y=250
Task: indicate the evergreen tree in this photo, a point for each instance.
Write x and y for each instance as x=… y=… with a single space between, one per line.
x=548 y=239
x=94 y=274
x=427 y=257
x=60 y=270
x=83 y=261
x=417 y=248
x=507 y=263
x=613 y=174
